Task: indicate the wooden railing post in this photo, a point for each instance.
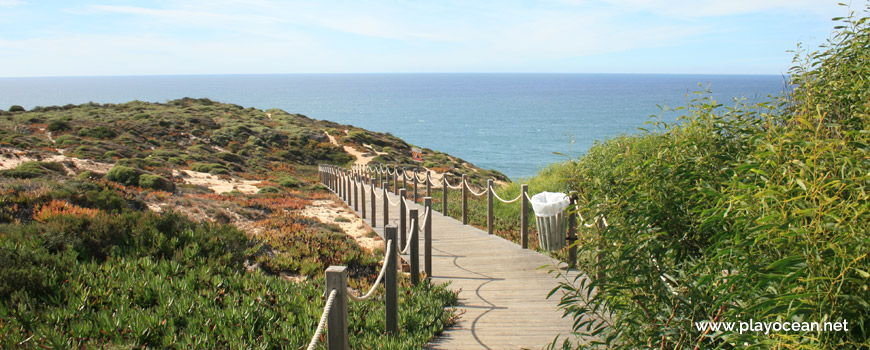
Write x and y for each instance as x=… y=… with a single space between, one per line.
x=403 y=218
x=362 y=196
x=373 y=199
x=489 y=210
x=427 y=236
x=391 y=282
x=464 y=200
x=524 y=217
x=339 y=184
x=428 y=183
x=355 y=184
x=415 y=247
x=404 y=179
x=336 y=331
x=444 y=189
x=386 y=203
x=396 y=180
x=346 y=185
x=416 y=171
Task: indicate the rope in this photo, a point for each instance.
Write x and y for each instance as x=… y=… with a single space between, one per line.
x=475 y=193
x=391 y=202
x=425 y=217
x=410 y=236
x=326 y=308
x=504 y=201
x=602 y=218
x=421 y=181
x=377 y=281
x=457 y=187
x=378 y=196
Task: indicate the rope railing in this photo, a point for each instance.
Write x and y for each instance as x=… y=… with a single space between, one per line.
x=377 y=280
x=346 y=183
x=457 y=187
x=411 y=235
x=315 y=339
x=506 y=201
x=476 y=194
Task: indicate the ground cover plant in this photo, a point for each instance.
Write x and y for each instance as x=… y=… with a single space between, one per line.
x=107 y=241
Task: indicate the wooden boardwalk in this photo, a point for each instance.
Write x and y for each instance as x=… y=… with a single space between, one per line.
x=502 y=291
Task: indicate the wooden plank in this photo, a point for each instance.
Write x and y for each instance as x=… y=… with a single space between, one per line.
x=502 y=291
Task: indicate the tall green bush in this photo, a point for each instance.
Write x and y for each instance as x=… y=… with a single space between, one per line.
x=752 y=212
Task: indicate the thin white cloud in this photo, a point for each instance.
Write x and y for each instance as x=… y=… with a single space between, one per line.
x=187 y=37
x=720 y=8
x=10 y=3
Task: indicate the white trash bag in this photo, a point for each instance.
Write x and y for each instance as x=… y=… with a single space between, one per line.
x=551 y=219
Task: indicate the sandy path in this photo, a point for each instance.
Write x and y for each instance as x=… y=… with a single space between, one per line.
x=11 y=158
x=361 y=158
x=215 y=183
x=327 y=211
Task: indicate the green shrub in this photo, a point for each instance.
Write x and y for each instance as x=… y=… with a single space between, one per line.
x=89 y=175
x=124 y=175
x=57 y=125
x=66 y=140
x=16 y=108
x=229 y=157
x=99 y=132
x=156 y=182
x=289 y=181
x=269 y=189
x=34 y=169
x=752 y=212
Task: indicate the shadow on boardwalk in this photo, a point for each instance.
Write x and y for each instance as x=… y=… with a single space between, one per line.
x=502 y=288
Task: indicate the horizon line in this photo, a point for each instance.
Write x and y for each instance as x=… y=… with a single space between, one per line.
x=377 y=73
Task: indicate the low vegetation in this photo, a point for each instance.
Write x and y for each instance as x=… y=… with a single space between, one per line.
x=105 y=243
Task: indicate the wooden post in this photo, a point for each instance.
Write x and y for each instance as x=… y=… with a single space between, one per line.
x=374 y=210
x=396 y=180
x=416 y=171
x=464 y=200
x=428 y=183
x=572 y=233
x=391 y=282
x=355 y=183
x=524 y=217
x=427 y=236
x=386 y=203
x=337 y=179
x=336 y=330
x=403 y=219
x=415 y=247
x=346 y=188
x=489 y=210
x=341 y=183
x=404 y=179
x=362 y=196
x=444 y=190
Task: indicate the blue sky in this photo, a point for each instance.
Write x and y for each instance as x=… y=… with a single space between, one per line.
x=88 y=38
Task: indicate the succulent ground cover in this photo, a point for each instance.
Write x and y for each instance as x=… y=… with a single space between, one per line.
x=178 y=225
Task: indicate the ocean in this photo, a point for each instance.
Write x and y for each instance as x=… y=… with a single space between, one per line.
x=509 y=122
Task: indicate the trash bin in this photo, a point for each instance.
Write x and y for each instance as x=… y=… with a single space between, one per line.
x=551 y=219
